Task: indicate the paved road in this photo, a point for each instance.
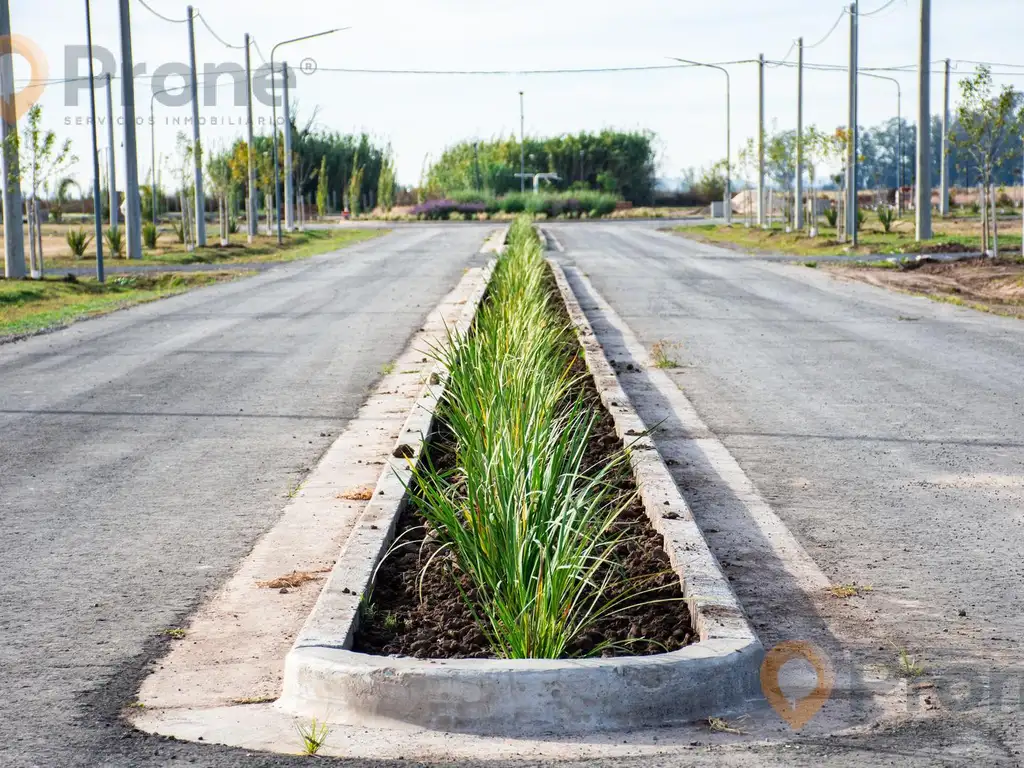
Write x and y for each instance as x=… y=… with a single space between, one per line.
x=143 y=453
x=887 y=431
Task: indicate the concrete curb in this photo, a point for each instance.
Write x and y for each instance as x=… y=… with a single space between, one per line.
x=496 y=242
x=717 y=676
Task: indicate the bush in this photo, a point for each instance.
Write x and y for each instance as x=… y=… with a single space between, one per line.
x=886 y=216
x=442 y=210
x=514 y=203
x=150 y=234
x=78 y=241
x=862 y=216
x=179 y=231
x=232 y=226
x=114 y=238
x=832 y=216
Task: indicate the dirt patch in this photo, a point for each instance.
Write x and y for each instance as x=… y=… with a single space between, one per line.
x=997 y=285
x=364 y=493
x=292 y=580
x=420 y=611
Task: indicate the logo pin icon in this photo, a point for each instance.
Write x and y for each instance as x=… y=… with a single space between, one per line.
x=800 y=712
x=14 y=108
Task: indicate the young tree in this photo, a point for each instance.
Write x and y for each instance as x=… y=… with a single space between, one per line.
x=355 y=190
x=185 y=172
x=988 y=120
x=321 y=189
x=387 y=181
x=218 y=168
x=42 y=160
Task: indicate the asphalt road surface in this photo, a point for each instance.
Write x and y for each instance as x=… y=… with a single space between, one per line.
x=143 y=453
x=886 y=430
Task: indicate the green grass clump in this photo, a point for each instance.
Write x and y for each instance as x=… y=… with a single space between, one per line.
x=527 y=519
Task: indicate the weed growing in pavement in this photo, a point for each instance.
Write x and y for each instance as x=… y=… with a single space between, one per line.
x=254 y=700
x=907 y=666
x=660 y=354
x=720 y=725
x=367 y=609
x=387 y=369
x=313 y=736
x=843 y=591
x=811 y=264
x=175 y=632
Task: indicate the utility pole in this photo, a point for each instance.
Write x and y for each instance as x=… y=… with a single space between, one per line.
x=250 y=211
x=760 y=142
x=112 y=184
x=944 y=158
x=97 y=214
x=522 y=146
x=133 y=210
x=799 y=202
x=851 y=150
x=289 y=184
x=197 y=146
x=14 y=232
x=924 y=120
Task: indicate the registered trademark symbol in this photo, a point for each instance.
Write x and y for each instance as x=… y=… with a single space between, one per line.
x=308 y=66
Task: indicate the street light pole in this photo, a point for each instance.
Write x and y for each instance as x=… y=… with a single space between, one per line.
x=728 y=130
x=133 y=211
x=799 y=192
x=851 y=150
x=760 y=142
x=273 y=106
x=522 y=146
x=14 y=228
x=250 y=212
x=924 y=139
x=97 y=213
x=289 y=188
x=197 y=146
x=944 y=157
x=111 y=178
x=899 y=133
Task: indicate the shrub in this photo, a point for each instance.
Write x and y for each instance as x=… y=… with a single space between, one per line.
x=78 y=241
x=150 y=234
x=114 y=239
x=179 y=231
x=862 y=216
x=514 y=203
x=974 y=208
x=232 y=226
x=886 y=216
x=832 y=216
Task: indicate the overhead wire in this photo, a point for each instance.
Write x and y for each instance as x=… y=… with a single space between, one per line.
x=159 y=15
x=876 y=11
x=829 y=33
x=217 y=37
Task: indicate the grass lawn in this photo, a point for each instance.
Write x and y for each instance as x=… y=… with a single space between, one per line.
x=297 y=245
x=27 y=306
x=950 y=236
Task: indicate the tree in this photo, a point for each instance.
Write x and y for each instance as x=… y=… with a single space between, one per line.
x=988 y=119
x=44 y=161
x=218 y=168
x=321 y=189
x=62 y=196
x=387 y=182
x=184 y=172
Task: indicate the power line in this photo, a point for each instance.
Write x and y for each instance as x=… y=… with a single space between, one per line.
x=829 y=33
x=786 y=57
x=160 y=15
x=877 y=10
x=219 y=39
x=496 y=72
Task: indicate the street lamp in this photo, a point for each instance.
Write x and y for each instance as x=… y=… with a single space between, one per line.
x=97 y=208
x=273 y=104
x=899 y=136
x=728 y=131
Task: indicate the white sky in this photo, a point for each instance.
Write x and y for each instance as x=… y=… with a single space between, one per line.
x=421 y=115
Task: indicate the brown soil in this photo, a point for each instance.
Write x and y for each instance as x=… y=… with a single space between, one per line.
x=441 y=625
x=291 y=580
x=993 y=284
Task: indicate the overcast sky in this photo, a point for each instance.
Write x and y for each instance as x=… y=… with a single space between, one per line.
x=420 y=115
